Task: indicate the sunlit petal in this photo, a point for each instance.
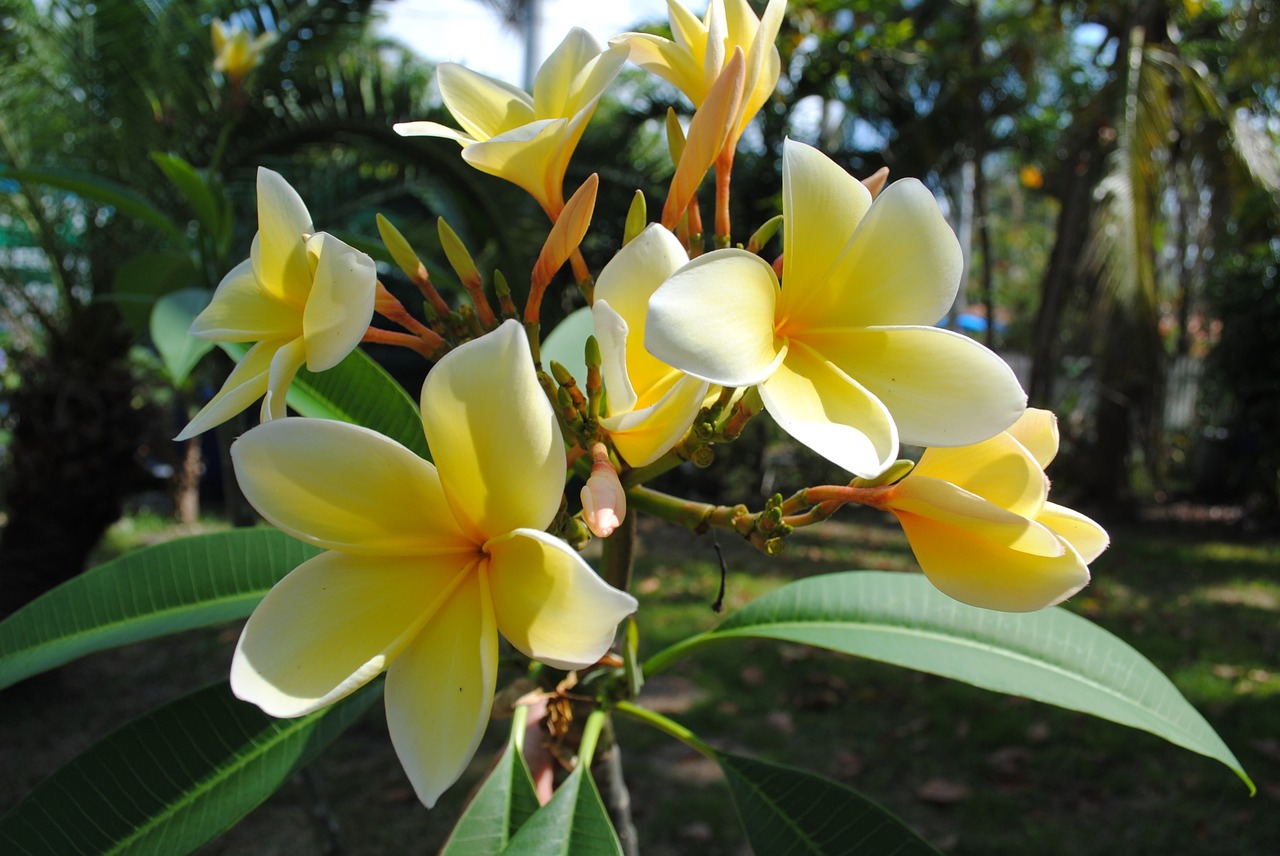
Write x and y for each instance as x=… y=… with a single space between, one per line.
x=902 y=265
x=822 y=206
x=279 y=252
x=440 y=690
x=494 y=435
x=669 y=61
x=432 y=129
x=557 y=79
x=245 y=385
x=714 y=319
x=532 y=156
x=241 y=311
x=943 y=389
x=642 y=436
x=612 y=335
x=1037 y=431
x=831 y=414
x=1088 y=538
x=346 y=487
x=482 y=105
x=340 y=306
x=999 y=470
x=284 y=367
x=331 y=625
x=550 y=603
x=983 y=573
x=950 y=504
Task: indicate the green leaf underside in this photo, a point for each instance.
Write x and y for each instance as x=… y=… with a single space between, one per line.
x=498 y=810
x=789 y=811
x=573 y=823
x=173 y=779
x=104 y=192
x=1051 y=656
x=170 y=319
x=178 y=585
x=359 y=391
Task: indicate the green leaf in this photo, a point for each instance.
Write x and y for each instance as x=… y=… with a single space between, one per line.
x=1051 y=656
x=573 y=823
x=174 y=779
x=178 y=585
x=170 y=320
x=145 y=278
x=103 y=192
x=194 y=189
x=503 y=804
x=785 y=810
x=359 y=391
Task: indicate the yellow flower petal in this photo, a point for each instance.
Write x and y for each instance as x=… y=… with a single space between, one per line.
x=241 y=311
x=943 y=389
x=549 y=603
x=1088 y=538
x=644 y=435
x=713 y=319
x=983 y=573
x=901 y=266
x=340 y=305
x=624 y=288
x=279 y=252
x=284 y=367
x=821 y=207
x=440 y=690
x=999 y=470
x=493 y=433
x=574 y=75
x=669 y=61
x=331 y=625
x=831 y=414
x=346 y=487
x=245 y=385
x=432 y=129
x=949 y=504
x=532 y=157
x=482 y=105
x=1037 y=431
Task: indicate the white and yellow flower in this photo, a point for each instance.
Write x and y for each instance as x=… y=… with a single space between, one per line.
x=522 y=138
x=650 y=404
x=235 y=54
x=980 y=524
x=304 y=298
x=427 y=564
x=701 y=50
x=842 y=351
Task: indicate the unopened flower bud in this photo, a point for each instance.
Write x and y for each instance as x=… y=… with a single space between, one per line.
x=604 y=503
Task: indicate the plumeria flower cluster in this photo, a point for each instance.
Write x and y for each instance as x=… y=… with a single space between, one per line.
x=428 y=564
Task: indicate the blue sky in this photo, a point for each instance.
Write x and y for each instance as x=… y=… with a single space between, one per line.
x=467 y=32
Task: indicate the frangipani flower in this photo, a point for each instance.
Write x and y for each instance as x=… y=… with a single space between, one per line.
x=702 y=49
x=842 y=351
x=650 y=404
x=235 y=55
x=306 y=299
x=427 y=564
x=978 y=520
x=526 y=140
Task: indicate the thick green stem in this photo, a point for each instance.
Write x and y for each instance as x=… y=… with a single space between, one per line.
x=666 y=726
x=591 y=736
x=619 y=553
x=667 y=656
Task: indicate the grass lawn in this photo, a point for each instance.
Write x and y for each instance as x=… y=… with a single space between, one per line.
x=974 y=772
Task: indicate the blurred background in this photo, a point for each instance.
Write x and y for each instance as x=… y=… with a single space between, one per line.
x=1111 y=168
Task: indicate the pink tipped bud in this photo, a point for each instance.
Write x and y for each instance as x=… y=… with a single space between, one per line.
x=604 y=503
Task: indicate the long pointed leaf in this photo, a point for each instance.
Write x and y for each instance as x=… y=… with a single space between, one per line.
x=499 y=809
x=789 y=811
x=178 y=585
x=173 y=779
x=1052 y=656
x=573 y=823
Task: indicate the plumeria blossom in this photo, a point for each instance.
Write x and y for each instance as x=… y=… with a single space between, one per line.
x=650 y=404
x=526 y=140
x=701 y=49
x=842 y=351
x=426 y=564
x=978 y=519
x=304 y=297
x=235 y=54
